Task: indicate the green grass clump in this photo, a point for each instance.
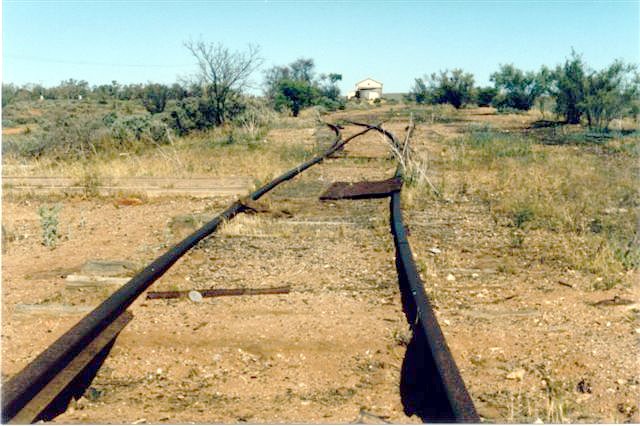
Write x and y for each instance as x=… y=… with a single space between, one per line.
x=49 y=222
x=488 y=146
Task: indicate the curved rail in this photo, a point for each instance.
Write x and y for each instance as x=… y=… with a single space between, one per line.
x=454 y=403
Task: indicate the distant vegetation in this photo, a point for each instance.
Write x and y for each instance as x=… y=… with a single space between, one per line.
x=295 y=87
x=76 y=120
x=578 y=92
x=448 y=87
x=130 y=117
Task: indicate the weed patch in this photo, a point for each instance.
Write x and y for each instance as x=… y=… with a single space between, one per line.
x=488 y=146
x=49 y=222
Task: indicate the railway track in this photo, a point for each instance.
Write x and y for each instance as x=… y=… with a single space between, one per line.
x=433 y=386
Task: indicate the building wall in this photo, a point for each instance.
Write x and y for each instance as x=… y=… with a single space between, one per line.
x=370 y=94
x=368 y=89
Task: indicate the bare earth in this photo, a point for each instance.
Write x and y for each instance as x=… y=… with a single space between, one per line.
x=528 y=346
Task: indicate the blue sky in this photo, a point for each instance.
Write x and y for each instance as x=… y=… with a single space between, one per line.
x=394 y=42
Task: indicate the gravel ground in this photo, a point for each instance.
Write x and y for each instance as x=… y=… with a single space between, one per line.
x=533 y=342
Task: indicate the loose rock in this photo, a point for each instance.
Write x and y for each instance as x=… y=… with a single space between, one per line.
x=195 y=296
x=516 y=374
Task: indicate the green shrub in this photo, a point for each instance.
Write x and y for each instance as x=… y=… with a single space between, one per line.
x=144 y=129
x=601 y=96
x=154 y=97
x=49 y=222
x=78 y=136
x=295 y=95
x=485 y=95
x=294 y=87
x=516 y=89
x=192 y=113
x=449 y=87
x=522 y=215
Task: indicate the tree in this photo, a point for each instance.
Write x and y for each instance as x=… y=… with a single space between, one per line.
x=71 y=89
x=610 y=93
x=329 y=87
x=569 y=88
x=154 y=97
x=485 y=95
x=223 y=74
x=272 y=78
x=448 y=87
x=516 y=89
x=302 y=70
x=453 y=87
x=419 y=92
x=295 y=87
x=601 y=96
x=295 y=95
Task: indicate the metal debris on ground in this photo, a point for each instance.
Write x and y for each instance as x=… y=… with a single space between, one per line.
x=218 y=292
x=359 y=190
x=616 y=301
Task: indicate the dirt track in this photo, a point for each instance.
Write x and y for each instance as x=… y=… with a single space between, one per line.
x=331 y=350
x=324 y=352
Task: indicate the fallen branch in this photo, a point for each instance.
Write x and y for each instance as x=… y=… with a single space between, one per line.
x=219 y=292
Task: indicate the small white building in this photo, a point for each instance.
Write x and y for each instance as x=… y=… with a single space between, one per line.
x=368 y=89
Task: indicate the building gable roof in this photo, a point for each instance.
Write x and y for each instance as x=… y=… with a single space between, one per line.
x=369 y=83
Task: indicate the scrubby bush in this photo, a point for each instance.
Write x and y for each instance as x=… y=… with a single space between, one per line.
x=569 y=88
x=295 y=87
x=601 y=96
x=516 y=89
x=129 y=130
x=485 y=95
x=9 y=93
x=448 y=87
x=154 y=97
x=295 y=95
x=610 y=93
x=255 y=119
x=75 y=136
x=189 y=114
x=200 y=113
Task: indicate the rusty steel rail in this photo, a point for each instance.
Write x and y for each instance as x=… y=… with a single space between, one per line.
x=423 y=320
x=219 y=292
x=18 y=391
x=442 y=389
x=450 y=400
